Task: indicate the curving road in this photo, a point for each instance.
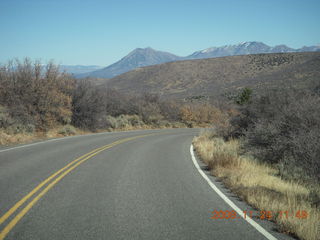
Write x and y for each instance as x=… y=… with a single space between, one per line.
x=133 y=185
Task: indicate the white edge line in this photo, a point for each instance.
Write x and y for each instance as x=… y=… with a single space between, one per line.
x=227 y=200
x=32 y=144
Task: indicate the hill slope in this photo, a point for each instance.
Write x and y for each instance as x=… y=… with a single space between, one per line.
x=217 y=76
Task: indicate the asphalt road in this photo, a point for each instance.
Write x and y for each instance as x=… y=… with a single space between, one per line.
x=138 y=188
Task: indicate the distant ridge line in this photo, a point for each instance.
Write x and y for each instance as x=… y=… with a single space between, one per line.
x=141 y=57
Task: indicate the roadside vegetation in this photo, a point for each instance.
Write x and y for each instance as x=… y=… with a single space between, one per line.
x=269 y=154
x=39 y=101
x=266 y=147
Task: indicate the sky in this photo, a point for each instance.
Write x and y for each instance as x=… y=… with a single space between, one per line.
x=100 y=32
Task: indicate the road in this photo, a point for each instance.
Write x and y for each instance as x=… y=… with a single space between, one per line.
x=143 y=186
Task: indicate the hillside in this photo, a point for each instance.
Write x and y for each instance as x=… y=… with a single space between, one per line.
x=217 y=76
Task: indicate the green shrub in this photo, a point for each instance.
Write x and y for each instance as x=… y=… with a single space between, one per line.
x=244 y=97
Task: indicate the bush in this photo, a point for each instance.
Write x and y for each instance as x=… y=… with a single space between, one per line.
x=123 y=121
x=67 y=130
x=36 y=95
x=111 y=122
x=244 y=97
x=5 y=118
x=20 y=128
x=134 y=120
x=88 y=106
x=283 y=128
x=170 y=110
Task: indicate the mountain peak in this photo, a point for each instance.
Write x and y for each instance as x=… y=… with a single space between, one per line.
x=143 y=49
x=248 y=43
x=139 y=57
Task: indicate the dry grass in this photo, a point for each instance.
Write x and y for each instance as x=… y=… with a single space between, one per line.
x=260 y=186
x=6 y=139
x=57 y=132
x=68 y=130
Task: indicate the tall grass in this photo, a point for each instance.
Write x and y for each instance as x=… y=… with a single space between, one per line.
x=260 y=186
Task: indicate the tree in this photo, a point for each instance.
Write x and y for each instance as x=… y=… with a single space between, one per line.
x=36 y=95
x=88 y=106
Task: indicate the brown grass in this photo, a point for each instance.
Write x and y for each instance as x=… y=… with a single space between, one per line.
x=56 y=132
x=63 y=131
x=259 y=185
x=6 y=139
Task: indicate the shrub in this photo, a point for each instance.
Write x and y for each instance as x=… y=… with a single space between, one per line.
x=111 y=122
x=283 y=128
x=123 y=121
x=67 y=130
x=5 y=118
x=244 y=97
x=34 y=94
x=170 y=110
x=88 y=106
x=134 y=120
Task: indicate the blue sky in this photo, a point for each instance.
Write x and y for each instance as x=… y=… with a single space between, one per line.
x=101 y=32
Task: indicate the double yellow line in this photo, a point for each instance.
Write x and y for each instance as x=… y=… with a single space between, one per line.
x=49 y=183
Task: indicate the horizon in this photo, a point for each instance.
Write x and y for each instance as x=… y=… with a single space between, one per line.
x=159 y=50
x=101 y=33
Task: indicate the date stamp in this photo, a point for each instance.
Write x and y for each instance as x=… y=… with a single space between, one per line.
x=300 y=214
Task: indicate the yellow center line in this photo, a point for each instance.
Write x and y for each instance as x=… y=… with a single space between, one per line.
x=30 y=194
x=75 y=164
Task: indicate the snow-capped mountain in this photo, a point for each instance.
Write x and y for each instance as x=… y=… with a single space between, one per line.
x=239 y=49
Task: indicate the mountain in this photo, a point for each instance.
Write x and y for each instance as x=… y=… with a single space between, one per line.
x=142 y=57
x=218 y=76
x=282 y=49
x=139 y=57
x=243 y=49
x=78 y=69
x=309 y=49
x=230 y=50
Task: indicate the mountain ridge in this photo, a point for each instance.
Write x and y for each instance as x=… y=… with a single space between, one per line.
x=142 y=57
x=78 y=69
